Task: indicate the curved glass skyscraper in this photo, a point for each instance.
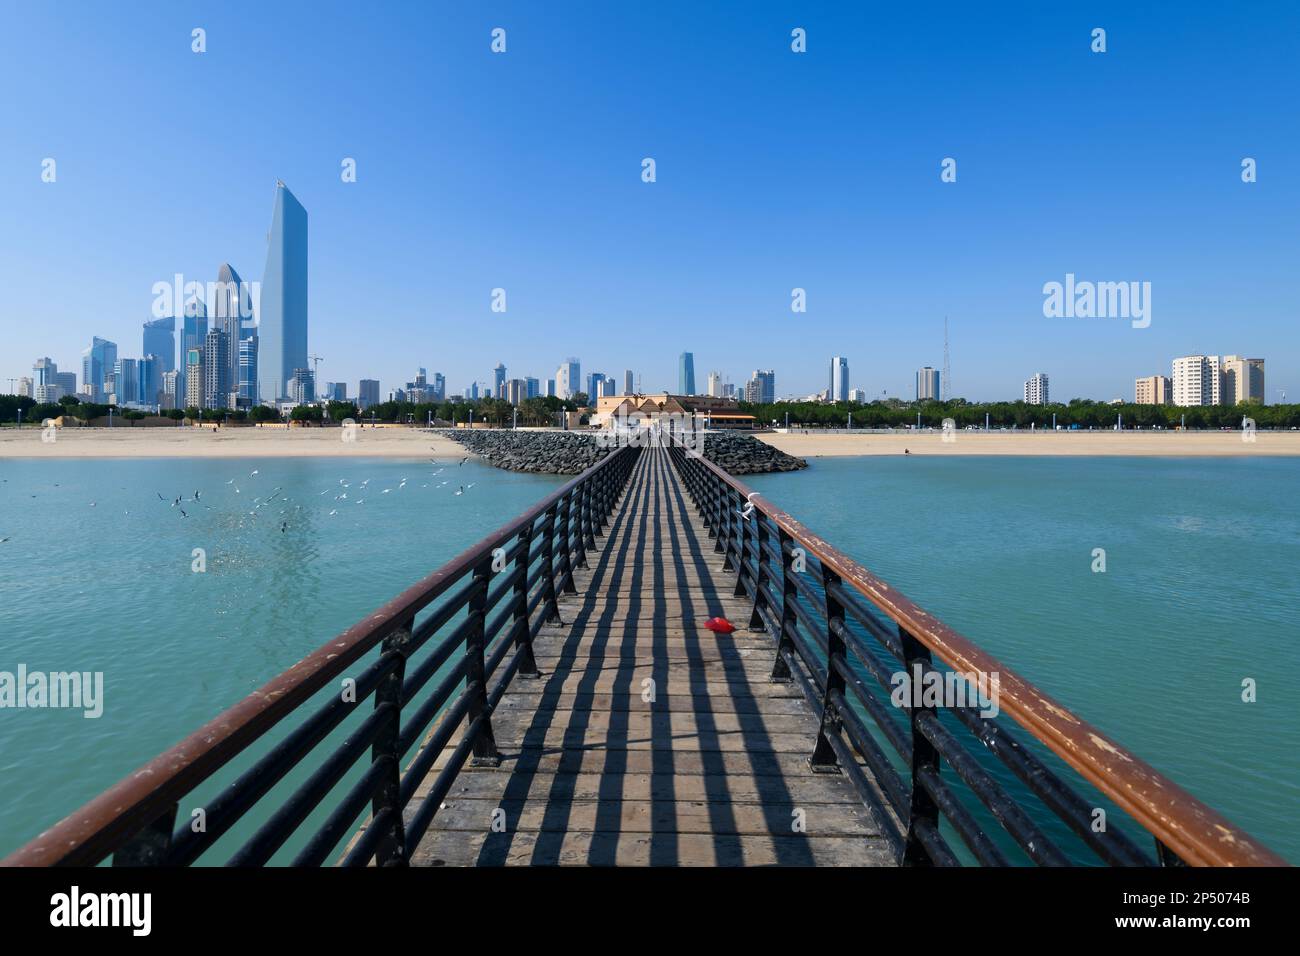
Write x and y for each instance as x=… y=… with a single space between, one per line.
x=282 y=325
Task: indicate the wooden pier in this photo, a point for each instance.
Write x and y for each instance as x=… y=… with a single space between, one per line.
x=649 y=739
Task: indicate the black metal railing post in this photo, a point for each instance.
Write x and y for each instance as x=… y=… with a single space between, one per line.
x=485 y=746
x=519 y=620
x=823 y=758
x=922 y=810
x=789 y=595
x=551 y=606
x=742 y=557
x=566 y=544
x=386 y=805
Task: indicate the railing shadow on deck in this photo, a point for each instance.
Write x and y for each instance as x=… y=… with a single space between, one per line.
x=843 y=636
x=445 y=648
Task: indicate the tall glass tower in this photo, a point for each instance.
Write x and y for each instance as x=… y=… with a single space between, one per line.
x=160 y=340
x=98 y=361
x=282 y=326
x=839 y=386
x=686 y=374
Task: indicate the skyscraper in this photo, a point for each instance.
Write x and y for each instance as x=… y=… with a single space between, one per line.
x=282 y=326
x=839 y=386
x=568 y=378
x=1036 y=390
x=686 y=374
x=715 y=385
x=160 y=340
x=927 y=384
x=194 y=327
x=194 y=378
x=126 y=381
x=368 y=393
x=761 y=387
x=594 y=383
x=247 y=379
x=439 y=387
x=97 y=362
x=499 y=381
x=628 y=385
x=216 y=369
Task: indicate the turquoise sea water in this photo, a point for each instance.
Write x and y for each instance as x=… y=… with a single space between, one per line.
x=1199 y=592
x=111 y=588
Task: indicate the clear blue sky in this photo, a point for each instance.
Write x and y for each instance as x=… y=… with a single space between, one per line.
x=775 y=170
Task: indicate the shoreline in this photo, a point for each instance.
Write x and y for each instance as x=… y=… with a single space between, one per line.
x=411 y=443
x=1144 y=444
x=239 y=442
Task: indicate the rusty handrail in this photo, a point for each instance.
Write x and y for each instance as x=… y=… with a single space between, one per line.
x=1194 y=831
x=101 y=826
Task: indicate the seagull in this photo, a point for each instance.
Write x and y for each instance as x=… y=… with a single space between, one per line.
x=386 y=491
x=334 y=512
x=3 y=540
x=231 y=481
x=465 y=459
x=283 y=525
x=92 y=504
x=252 y=473
x=461 y=491
x=196 y=496
x=160 y=497
x=183 y=514
x=469 y=486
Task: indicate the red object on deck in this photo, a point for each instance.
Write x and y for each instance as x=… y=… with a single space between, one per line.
x=719 y=625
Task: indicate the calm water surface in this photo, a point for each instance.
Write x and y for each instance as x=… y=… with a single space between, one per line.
x=1199 y=593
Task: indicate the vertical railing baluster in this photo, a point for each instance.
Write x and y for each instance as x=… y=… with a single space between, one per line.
x=789 y=594
x=391 y=848
x=566 y=568
x=149 y=847
x=485 y=746
x=761 y=573
x=519 y=621
x=922 y=808
x=552 y=607
x=823 y=758
x=742 y=558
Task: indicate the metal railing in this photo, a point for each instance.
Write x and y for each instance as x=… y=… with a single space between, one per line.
x=496 y=596
x=844 y=636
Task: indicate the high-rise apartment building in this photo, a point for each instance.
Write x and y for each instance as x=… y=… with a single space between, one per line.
x=839 y=381
x=595 y=382
x=194 y=378
x=126 y=382
x=1197 y=380
x=927 y=384
x=715 y=385
x=532 y=388
x=628 y=384
x=1152 y=390
x=761 y=387
x=194 y=327
x=686 y=374
x=368 y=393
x=1243 y=380
x=282 y=326
x=1036 y=390
x=216 y=369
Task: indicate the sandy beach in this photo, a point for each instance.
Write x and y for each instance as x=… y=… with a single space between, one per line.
x=1145 y=443
x=279 y=442
x=249 y=442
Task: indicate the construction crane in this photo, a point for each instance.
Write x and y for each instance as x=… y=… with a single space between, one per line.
x=315 y=369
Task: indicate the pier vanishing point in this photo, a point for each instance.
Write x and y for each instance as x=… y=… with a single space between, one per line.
x=552 y=696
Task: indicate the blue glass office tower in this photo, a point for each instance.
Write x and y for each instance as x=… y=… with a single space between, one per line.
x=96 y=362
x=282 y=326
x=160 y=340
x=686 y=374
x=194 y=326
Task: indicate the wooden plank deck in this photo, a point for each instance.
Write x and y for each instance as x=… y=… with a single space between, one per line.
x=649 y=740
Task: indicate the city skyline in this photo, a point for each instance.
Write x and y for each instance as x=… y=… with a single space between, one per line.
x=405 y=259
